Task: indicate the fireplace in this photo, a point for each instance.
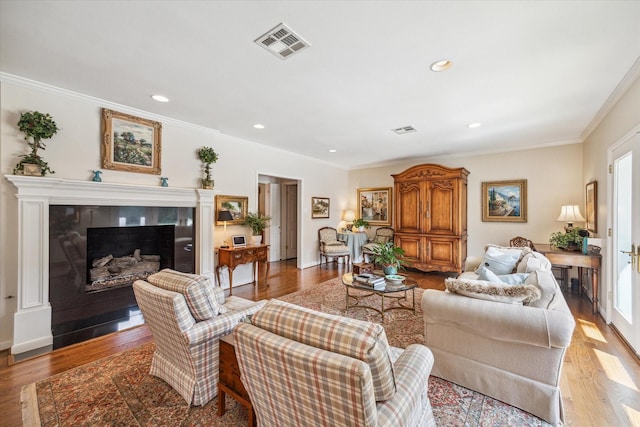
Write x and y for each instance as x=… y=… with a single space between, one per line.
x=53 y=217
x=95 y=255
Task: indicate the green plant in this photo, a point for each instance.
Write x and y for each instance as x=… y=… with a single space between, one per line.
x=36 y=126
x=573 y=237
x=361 y=223
x=207 y=156
x=256 y=222
x=387 y=254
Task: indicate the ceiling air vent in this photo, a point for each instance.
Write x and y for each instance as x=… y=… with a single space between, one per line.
x=282 y=41
x=404 y=129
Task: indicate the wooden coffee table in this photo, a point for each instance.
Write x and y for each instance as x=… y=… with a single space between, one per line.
x=229 y=381
x=390 y=288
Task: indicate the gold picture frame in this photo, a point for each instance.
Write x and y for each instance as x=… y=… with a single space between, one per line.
x=591 y=206
x=504 y=201
x=375 y=205
x=130 y=143
x=237 y=205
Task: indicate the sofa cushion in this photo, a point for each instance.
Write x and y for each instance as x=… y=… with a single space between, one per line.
x=350 y=337
x=549 y=289
x=501 y=260
x=499 y=292
x=533 y=261
x=197 y=291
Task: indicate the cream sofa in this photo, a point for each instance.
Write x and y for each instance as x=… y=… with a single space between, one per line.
x=512 y=352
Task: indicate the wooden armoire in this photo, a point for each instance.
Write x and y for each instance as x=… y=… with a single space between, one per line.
x=430 y=218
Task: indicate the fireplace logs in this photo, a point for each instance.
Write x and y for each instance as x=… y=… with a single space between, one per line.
x=113 y=272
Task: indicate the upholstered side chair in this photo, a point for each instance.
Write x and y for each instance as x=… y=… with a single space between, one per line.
x=331 y=247
x=383 y=235
x=338 y=371
x=187 y=316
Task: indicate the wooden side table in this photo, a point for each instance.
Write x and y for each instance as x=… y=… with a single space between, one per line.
x=233 y=257
x=229 y=381
x=577 y=259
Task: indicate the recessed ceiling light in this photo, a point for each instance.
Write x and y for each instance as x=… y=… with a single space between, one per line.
x=443 y=65
x=474 y=125
x=258 y=126
x=333 y=150
x=160 y=98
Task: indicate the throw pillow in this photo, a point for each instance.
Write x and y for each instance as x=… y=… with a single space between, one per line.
x=509 y=279
x=511 y=294
x=499 y=261
x=197 y=291
x=549 y=289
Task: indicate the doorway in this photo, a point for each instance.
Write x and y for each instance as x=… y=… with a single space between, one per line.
x=625 y=243
x=278 y=197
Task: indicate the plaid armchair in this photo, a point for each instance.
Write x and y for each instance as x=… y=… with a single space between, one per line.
x=306 y=368
x=187 y=317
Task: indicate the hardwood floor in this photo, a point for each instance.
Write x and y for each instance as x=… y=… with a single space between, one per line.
x=600 y=379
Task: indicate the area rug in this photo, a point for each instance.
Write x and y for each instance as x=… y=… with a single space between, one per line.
x=118 y=391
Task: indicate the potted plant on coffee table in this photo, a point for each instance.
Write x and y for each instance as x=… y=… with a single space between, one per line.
x=257 y=223
x=389 y=256
x=36 y=126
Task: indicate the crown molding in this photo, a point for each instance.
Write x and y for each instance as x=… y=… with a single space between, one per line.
x=54 y=90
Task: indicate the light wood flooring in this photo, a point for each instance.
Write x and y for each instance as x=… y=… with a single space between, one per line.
x=600 y=379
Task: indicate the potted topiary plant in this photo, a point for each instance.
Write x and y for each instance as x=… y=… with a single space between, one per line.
x=36 y=126
x=257 y=223
x=207 y=156
x=389 y=256
x=360 y=224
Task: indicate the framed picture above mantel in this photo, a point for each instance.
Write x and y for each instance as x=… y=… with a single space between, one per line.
x=130 y=143
x=504 y=201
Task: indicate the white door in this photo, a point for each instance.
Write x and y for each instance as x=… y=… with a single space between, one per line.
x=273 y=210
x=626 y=240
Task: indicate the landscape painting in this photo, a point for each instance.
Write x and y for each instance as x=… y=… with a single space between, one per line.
x=130 y=143
x=504 y=201
x=320 y=207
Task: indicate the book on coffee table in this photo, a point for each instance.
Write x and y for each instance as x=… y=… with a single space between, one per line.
x=370 y=279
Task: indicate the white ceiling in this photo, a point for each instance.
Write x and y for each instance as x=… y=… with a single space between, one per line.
x=535 y=73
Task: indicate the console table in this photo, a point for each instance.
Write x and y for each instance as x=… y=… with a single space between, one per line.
x=577 y=259
x=233 y=257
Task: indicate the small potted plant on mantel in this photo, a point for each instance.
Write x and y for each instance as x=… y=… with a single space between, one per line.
x=257 y=223
x=389 y=256
x=360 y=224
x=207 y=156
x=36 y=126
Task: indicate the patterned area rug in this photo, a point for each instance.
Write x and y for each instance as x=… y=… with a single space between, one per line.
x=118 y=390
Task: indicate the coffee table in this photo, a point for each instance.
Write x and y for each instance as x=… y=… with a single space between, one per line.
x=390 y=288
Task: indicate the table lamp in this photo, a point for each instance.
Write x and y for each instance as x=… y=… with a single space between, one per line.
x=225 y=216
x=348 y=216
x=570 y=214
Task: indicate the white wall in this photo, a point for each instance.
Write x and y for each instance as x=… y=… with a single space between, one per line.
x=623 y=117
x=75 y=150
x=554 y=178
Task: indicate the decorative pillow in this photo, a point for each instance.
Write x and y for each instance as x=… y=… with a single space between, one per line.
x=549 y=289
x=197 y=291
x=354 y=338
x=508 y=279
x=487 y=275
x=511 y=294
x=500 y=261
x=532 y=262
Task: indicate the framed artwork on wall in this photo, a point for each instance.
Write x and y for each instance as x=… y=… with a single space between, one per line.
x=236 y=205
x=375 y=205
x=504 y=201
x=130 y=143
x=319 y=207
x=591 y=205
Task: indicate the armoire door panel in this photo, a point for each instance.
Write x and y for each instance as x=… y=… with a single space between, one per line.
x=412 y=245
x=441 y=196
x=408 y=207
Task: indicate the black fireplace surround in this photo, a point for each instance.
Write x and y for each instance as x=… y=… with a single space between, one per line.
x=80 y=234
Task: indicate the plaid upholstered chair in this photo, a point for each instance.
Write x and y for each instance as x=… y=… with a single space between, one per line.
x=383 y=235
x=306 y=368
x=187 y=316
x=331 y=247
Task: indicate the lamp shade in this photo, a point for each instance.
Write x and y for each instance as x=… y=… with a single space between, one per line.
x=349 y=215
x=570 y=214
x=225 y=216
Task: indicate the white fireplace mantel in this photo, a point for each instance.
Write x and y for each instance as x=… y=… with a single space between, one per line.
x=32 y=320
